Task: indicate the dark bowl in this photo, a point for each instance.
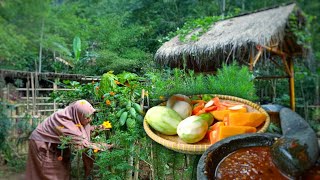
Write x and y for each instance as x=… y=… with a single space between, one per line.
x=211 y=158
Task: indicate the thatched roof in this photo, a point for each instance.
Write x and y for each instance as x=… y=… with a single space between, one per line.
x=228 y=39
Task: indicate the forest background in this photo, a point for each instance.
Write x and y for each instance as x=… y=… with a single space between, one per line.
x=38 y=35
x=93 y=37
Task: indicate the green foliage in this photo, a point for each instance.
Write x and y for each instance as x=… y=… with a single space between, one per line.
x=199 y=26
x=230 y=80
x=5 y=123
x=123 y=35
x=9 y=52
x=301 y=29
x=76 y=47
x=14 y=161
x=235 y=80
x=81 y=91
x=113 y=94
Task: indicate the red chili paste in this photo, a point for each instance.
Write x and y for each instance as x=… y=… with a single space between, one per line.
x=249 y=163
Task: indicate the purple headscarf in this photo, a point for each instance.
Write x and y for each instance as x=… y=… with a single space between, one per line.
x=66 y=122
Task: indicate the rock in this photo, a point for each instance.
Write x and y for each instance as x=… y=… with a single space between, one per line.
x=297 y=150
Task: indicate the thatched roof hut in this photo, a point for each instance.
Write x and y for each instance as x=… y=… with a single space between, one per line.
x=246 y=38
x=233 y=38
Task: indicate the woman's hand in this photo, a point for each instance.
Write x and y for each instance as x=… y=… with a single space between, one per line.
x=101 y=146
x=107 y=146
x=99 y=128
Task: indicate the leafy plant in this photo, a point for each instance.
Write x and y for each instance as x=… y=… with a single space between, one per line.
x=76 y=48
x=229 y=80
x=197 y=26
x=5 y=124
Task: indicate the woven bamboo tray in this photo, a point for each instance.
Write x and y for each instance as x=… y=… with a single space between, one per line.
x=176 y=144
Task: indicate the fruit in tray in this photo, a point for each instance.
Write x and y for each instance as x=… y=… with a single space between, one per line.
x=181 y=104
x=208 y=117
x=192 y=129
x=163 y=119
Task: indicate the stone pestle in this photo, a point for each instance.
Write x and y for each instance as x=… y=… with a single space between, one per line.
x=297 y=149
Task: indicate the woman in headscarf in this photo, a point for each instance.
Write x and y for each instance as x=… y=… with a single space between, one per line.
x=45 y=159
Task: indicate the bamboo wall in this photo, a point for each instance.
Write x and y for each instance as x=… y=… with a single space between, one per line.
x=27 y=105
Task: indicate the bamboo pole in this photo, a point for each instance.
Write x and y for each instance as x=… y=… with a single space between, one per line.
x=286 y=66
x=54 y=102
x=277 y=64
x=281 y=54
x=36 y=83
x=317 y=96
x=33 y=94
x=257 y=57
x=274 y=50
x=137 y=162
x=272 y=77
x=137 y=159
x=291 y=85
x=27 y=93
x=251 y=60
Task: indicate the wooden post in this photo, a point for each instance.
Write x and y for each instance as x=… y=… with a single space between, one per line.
x=33 y=95
x=291 y=84
x=36 y=92
x=251 y=60
x=27 y=93
x=54 y=102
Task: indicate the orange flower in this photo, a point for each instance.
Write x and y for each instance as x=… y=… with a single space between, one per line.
x=95 y=150
x=117 y=82
x=60 y=158
x=97 y=87
x=108 y=102
x=127 y=84
x=78 y=125
x=112 y=93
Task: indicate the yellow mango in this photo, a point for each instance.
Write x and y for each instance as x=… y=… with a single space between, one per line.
x=220 y=114
x=227 y=131
x=253 y=119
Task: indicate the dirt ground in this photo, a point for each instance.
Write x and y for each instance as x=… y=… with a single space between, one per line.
x=7 y=174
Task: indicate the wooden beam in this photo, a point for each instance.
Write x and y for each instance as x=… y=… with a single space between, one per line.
x=283 y=56
x=275 y=62
x=257 y=57
x=291 y=86
x=251 y=60
x=286 y=66
x=274 y=50
x=272 y=77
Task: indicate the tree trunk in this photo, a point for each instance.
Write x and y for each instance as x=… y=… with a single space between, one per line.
x=137 y=162
x=130 y=162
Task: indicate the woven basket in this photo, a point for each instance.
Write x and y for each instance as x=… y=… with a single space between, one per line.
x=176 y=144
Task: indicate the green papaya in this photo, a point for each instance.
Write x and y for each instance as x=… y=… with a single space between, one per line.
x=192 y=129
x=137 y=107
x=208 y=117
x=133 y=112
x=131 y=123
x=123 y=118
x=163 y=119
x=118 y=114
